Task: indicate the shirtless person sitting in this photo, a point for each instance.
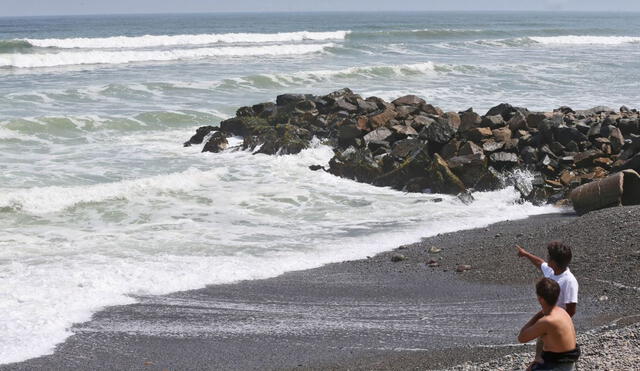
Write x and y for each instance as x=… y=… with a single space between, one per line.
x=554 y=326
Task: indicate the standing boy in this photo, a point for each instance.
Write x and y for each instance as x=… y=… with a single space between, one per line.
x=557 y=269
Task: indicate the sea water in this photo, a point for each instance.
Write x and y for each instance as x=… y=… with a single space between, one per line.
x=99 y=201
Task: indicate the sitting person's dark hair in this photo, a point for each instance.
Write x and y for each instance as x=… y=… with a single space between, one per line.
x=549 y=290
x=559 y=253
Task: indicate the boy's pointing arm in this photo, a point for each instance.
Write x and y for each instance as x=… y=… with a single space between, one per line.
x=532 y=258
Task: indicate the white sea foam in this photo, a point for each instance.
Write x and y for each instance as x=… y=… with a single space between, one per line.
x=42 y=200
x=585 y=40
x=146 y=41
x=246 y=217
x=118 y=57
x=398 y=70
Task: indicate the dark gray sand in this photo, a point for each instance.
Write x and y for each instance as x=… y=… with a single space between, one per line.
x=373 y=313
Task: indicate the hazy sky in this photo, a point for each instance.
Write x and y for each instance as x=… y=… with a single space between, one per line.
x=51 y=7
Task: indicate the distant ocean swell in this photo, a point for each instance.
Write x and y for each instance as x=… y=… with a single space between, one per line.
x=33 y=60
x=146 y=41
x=39 y=53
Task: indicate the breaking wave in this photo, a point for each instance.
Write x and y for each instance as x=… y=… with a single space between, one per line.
x=585 y=40
x=69 y=58
x=146 y=41
x=560 y=40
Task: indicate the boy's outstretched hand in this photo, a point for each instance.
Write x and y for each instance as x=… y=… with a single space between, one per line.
x=521 y=252
x=536 y=261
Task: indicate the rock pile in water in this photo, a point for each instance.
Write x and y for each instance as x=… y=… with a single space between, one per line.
x=411 y=145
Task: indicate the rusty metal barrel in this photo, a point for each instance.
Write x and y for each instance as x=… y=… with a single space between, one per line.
x=622 y=188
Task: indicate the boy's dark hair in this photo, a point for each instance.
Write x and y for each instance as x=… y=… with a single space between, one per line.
x=549 y=290
x=559 y=253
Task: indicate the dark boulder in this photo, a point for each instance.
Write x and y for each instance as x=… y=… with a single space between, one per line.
x=357 y=164
x=409 y=100
x=477 y=134
x=617 y=140
x=380 y=134
x=469 y=120
x=470 y=148
x=504 y=160
x=518 y=122
x=216 y=143
x=382 y=118
x=265 y=110
x=245 y=111
x=442 y=179
x=431 y=110
x=444 y=128
x=406 y=148
x=535 y=118
x=201 y=132
x=585 y=159
x=305 y=106
x=494 y=122
x=366 y=106
x=492 y=146
x=347 y=132
x=289 y=99
x=501 y=134
x=450 y=149
x=243 y=126
x=529 y=155
x=344 y=105
x=469 y=168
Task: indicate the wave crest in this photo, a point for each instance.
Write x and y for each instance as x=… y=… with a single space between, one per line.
x=146 y=41
x=586 y=40
x=41 y=200
x=119 y=57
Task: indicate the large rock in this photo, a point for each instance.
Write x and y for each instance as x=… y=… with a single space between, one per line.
x=444 y=128
x=535 y=118
x=283 y=139
x=265 y=110
x=357 y=164
x=405 y=148
x=243 y=126
x=469 y=120
x=518 y=122
x=289 y=99
x=348 y=132
x=617 y=140
x=504 y=109
x=216 y=143
x=566 y=134
x=504 y=160
x=344 y=105
x=409 y=100
x=494 y=122
x=382 y=119
x=470 y=148
x=442 y=179
x=477 y=134
x=380 y=134
x=585 y=159
x=469 y=168
x=366 y=106
x=200 y=134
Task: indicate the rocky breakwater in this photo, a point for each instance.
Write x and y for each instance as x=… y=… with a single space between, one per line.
x=411 y=145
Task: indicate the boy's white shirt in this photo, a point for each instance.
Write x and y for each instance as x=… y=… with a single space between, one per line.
x=568 y=285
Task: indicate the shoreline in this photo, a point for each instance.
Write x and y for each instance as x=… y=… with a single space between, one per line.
x=367 y=314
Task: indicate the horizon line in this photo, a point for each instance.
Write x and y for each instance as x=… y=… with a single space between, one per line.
x=325 y=11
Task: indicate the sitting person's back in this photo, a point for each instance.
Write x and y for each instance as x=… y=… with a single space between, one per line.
x=555 y=327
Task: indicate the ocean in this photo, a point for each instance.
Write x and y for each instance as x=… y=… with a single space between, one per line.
x=99 y=201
